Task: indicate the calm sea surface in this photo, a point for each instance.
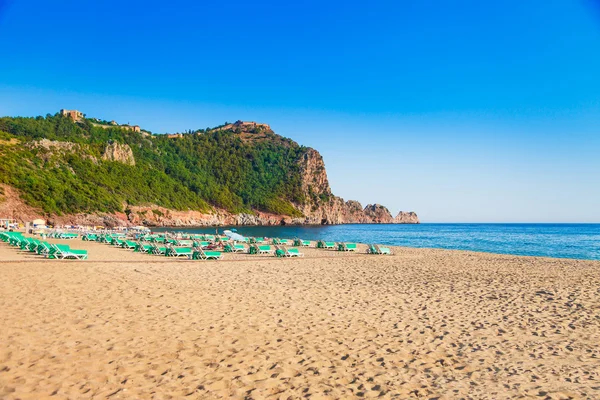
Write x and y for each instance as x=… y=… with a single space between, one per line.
x=550 y=240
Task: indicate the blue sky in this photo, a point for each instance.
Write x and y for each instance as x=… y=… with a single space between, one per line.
x=463 y=111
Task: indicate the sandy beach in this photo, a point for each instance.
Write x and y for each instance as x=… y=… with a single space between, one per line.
x=419 y=324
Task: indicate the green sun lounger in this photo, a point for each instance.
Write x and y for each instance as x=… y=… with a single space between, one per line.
x=90 y=237
x=66 y=235
x=128 y=244
x=179 y=252
x=26 y=243
x=10 y=235
x=158 y=250
x=23 y=243
x=63 y=251
x=221 y=239
x=302 y=243
x=347 y=247
x=321 y=244
x=200 y=254
x=32 y=246
x=234 y=248
x=16 y=239
x=291 y=252
x=260 y=249
x=142 y=248
x=43 y=248
x=376 y=249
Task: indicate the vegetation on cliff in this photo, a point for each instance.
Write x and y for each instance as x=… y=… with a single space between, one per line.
x=58 y=165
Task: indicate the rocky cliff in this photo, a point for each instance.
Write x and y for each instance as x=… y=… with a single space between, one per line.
x=118 y=152
x=404 y=217
x=324 y=208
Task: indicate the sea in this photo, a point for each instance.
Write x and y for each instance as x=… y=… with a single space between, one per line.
x=578 y=241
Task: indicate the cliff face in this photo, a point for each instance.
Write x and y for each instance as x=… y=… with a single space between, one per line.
x=324 y=208
x=118 y=152
x=378 y=214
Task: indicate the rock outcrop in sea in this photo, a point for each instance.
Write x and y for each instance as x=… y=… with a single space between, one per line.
x=406 y=217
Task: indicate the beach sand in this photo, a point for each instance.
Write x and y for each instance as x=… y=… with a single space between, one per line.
x=418 y=324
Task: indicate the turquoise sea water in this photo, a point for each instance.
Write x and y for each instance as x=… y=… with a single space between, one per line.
x=580 y=241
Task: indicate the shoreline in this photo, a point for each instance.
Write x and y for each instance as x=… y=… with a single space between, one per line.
x=364 y=244
x=361 y=253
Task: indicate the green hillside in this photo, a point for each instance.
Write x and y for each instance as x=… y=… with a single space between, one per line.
x=237 y=169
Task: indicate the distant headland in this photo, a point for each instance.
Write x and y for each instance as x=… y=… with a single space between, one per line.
x=69 y=168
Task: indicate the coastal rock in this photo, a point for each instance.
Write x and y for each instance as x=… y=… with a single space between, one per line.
x=405 y=217
x=378 y=214
x=154 y=216
x=323 y=208
x=118 y=152
x=353 y=206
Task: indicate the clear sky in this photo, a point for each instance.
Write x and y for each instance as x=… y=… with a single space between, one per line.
x=463 y=111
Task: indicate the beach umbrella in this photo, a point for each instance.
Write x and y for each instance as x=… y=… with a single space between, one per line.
x=234 y=236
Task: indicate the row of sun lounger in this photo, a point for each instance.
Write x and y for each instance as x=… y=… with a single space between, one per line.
x=194 y=247
x=62 y=235
x=183 y=246
x=193 y=253
x=42 y=248
x=162 y=246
